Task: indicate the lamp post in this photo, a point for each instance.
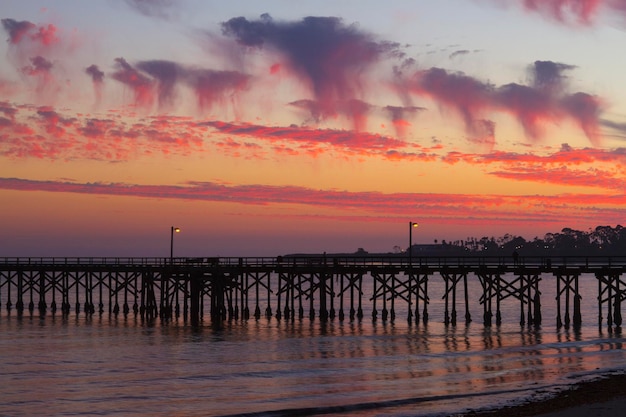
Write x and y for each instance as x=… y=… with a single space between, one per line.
x=172 y=231
x=411 y=226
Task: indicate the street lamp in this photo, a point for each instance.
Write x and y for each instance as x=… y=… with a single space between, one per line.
x=172 y=231
x=411 y=226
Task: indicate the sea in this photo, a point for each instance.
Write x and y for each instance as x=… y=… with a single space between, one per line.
x=117 y=365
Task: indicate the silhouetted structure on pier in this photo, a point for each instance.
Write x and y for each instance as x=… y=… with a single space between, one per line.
x=326 y=287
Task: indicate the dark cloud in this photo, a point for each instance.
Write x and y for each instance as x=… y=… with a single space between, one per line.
x=212 y=86
x=457 y=90
x=40 y=67
x=585 y=109
x=530 y=106
x=164 y=9
x=617 y=126
x=328 y=56
x=97 y=76
x=548 y=75
x=459 y=53
x=166 y=73
x=209 y=86
x=312 y=107
x=545 y=100
x=400 y=115
x=354 y=109
x=7 y=109
x=17 y=30
x=141 y=85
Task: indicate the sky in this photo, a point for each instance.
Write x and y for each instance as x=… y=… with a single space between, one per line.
x=261 y=128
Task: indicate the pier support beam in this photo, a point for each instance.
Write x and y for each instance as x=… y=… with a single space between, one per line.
x=452 y=279
x=567 y=288
x=611 y=291
x=196 y=287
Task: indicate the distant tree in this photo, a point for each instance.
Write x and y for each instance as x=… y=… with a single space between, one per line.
x=601 y=240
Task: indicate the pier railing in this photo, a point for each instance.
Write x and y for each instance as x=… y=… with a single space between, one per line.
x=591 y=262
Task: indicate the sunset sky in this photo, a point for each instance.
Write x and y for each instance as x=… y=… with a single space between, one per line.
x=262 y=128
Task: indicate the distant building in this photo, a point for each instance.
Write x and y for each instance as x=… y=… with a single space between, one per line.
x=436 y=250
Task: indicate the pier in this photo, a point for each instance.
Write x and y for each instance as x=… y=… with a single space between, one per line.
x=317 y=287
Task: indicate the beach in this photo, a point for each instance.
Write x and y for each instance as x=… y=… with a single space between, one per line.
x=605 y=396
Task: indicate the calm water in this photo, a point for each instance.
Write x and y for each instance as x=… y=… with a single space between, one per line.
x=122 y=366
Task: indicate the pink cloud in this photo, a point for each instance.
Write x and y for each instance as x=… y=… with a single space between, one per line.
x=571 y=12
x=51 y=135
x=596 y=178
x=350 y=142
x=583 y=10
x=141 y=85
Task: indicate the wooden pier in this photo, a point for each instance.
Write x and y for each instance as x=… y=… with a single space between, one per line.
x=317 y=287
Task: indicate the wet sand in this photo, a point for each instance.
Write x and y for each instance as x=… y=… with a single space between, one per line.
x=604 y=397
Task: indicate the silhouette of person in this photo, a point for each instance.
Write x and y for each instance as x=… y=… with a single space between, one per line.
x=515 y=258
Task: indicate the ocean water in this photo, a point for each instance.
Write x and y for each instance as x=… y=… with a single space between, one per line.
x=104 y=365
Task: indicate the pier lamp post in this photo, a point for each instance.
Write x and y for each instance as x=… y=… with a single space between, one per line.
x=172 y=231
x=411 y=226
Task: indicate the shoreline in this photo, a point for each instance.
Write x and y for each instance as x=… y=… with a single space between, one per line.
x=603 y=396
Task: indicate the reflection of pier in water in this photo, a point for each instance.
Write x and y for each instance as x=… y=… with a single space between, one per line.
x=323 y=287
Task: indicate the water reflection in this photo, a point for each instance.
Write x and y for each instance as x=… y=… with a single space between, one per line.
x=263 y=365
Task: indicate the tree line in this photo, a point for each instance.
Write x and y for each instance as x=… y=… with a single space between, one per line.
x=603 y=240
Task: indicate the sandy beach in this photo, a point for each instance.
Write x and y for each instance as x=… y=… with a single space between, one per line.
x=604 y=397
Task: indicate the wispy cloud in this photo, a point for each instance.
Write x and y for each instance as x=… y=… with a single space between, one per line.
x=545 y=100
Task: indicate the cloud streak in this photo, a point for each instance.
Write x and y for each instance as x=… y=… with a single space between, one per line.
x=457 y=208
